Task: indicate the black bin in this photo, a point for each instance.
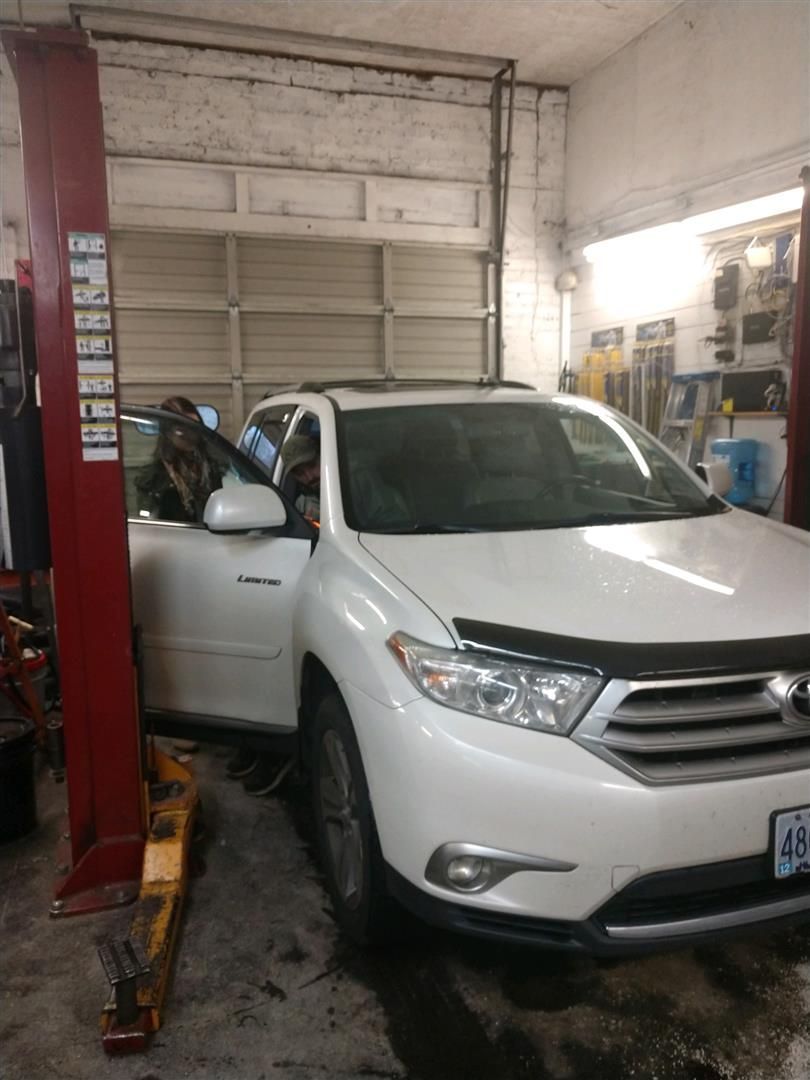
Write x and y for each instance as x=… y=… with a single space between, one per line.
x=18 y=804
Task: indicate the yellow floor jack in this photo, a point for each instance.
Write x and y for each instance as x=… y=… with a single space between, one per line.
x=139 y=966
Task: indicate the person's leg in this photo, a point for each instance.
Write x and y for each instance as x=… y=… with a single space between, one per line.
x=242 y=763
x=268 y=774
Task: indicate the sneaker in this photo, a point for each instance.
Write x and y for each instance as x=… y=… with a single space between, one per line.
x=242 y=763
x=272 y=768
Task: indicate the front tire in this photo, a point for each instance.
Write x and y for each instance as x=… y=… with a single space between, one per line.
x=347 y=837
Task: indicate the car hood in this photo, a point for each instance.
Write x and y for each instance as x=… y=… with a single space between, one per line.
x=727 y=577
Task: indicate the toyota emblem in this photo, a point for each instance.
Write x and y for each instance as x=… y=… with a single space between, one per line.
x=798 y=697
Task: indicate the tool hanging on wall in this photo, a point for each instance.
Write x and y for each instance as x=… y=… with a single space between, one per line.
x=653 y=366
x=604 y=376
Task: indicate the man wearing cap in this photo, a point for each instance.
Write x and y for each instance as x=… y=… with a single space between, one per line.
x=302 y=460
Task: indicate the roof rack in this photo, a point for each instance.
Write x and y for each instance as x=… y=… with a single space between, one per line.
x=483 y=382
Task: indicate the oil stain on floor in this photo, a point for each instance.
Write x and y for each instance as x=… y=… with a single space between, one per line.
x=265 y=988
x=463 y=1008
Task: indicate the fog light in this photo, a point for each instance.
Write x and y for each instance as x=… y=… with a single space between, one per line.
x=467 y=871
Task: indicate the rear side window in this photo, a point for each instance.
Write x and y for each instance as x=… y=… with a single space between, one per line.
x=262 y=438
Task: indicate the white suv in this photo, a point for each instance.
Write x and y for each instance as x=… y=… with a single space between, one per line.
x=550 y=688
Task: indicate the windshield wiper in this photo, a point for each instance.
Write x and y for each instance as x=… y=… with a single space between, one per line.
x=629 y=517
x=420 y=528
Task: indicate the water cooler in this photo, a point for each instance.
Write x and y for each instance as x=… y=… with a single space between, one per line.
x=741 y=457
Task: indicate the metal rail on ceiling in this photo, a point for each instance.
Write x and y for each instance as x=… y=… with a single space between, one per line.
x=102 y=18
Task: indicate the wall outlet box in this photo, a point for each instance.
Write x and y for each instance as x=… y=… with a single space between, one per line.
x=759 y=256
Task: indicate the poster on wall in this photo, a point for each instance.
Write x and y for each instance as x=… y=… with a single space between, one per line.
x=92 y=323
x=658 y=330
x=607 y=339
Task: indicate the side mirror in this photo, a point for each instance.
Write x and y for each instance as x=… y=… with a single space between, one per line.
x=717 y=475
x=209 y=416
x=243 y=508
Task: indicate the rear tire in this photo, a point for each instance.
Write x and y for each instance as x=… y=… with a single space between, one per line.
x=347 y=837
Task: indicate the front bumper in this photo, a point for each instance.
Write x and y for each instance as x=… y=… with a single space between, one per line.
x=438 y=776
x=661 y=911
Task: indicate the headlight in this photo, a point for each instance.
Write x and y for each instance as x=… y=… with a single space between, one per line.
x=513 y=693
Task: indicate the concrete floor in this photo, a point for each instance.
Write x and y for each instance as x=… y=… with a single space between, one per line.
x=265 y=989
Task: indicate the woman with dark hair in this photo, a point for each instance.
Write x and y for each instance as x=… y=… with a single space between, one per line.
x=176 y=484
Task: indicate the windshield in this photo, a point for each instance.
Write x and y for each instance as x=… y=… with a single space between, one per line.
x=501 y=465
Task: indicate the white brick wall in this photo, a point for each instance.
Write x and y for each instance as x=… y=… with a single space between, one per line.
x=712 y=94
x=174 y=103
x=710 y=107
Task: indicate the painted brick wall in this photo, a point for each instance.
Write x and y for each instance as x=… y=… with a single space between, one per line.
x=207 y=105
x=597 y=305
x=710 y=107
x=713 y=93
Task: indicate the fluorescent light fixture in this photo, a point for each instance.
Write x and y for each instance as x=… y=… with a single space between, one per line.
x=637 y=244
x=655 y=269
x=676 y=232
x=783 y=202
x=648 y=271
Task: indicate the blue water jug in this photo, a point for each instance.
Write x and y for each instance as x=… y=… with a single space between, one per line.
x=741 y=457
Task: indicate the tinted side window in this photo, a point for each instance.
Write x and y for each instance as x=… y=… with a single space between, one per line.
x=172 y=466
x=263 y=437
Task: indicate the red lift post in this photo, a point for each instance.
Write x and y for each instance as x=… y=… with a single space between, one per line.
x=66 y=194
x=797 y=483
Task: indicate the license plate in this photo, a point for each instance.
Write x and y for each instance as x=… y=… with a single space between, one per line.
x=791 y=842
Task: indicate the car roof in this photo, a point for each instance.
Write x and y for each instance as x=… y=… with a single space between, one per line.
x=382 y=393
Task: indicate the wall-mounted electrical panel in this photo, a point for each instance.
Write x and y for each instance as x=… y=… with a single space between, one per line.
x=726 y=285
x=758 y=327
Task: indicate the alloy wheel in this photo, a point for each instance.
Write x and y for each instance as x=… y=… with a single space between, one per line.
x=341 y=823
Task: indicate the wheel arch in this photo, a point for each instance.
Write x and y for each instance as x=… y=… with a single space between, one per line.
x=316 y=682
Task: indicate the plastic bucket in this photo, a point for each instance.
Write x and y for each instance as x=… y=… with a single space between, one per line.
x=741 y=457
x=18 y=804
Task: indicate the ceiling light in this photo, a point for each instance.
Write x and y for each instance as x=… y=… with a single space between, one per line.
x=675 y=232
x=783 y=202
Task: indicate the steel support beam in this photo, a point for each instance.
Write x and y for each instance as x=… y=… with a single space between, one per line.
x=500 y=168
x=66 y=192
x=496 y=144
x=797 y=478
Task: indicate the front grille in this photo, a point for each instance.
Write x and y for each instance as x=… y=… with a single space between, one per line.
x=700 y=891
x=681 y=731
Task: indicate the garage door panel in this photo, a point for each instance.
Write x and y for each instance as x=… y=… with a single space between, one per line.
x=440 y=348
x=436 y=275
x=304 y=272
x=164 y=343
x=304 y=311
x=169 y=265
x=282 y=347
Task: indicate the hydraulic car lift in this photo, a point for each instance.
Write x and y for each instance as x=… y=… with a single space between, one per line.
x=797 y=487
x=130 y=816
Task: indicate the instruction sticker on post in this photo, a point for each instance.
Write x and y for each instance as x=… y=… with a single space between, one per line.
x=92 y=322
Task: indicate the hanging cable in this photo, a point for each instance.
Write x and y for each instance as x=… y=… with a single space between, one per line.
x=776 y=493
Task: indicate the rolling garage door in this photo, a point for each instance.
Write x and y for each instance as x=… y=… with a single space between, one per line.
x=223 y=318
